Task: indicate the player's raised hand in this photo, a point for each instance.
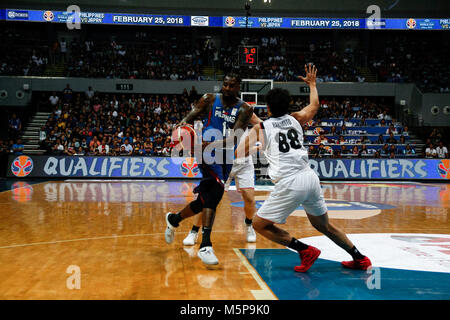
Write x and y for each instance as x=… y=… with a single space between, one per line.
x=311 y=72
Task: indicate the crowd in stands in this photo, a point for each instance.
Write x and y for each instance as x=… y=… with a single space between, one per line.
x=177 y=56
x=108 y=124
x=356 y=127
x=162 y=60
x=17 y=59
x=280 y=62
x=407 y=59
x=93 y=123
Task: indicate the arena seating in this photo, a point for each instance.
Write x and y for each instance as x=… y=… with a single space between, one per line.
x=152 y=54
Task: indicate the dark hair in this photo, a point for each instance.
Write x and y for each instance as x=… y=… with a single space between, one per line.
x=233 y=75
x=278 y=101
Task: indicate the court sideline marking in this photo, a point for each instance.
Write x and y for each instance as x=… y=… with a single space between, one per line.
x=87 y=239
x=265 y=293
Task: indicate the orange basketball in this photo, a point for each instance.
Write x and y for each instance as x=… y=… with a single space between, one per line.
x=183 y=137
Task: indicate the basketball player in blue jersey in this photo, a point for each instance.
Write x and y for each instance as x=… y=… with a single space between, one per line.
x=221 y=114
x=243 y=173
x=281 y=139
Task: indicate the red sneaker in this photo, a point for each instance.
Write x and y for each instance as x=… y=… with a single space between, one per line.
x=359 y=264
x=307 y=257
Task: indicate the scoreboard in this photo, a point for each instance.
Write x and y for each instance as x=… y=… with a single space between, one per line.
x=248 y=55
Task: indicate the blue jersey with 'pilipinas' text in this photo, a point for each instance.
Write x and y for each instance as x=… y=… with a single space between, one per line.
x=220 y=120
x=217 y=125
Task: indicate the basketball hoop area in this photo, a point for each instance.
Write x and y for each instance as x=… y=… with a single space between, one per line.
x=253 y=91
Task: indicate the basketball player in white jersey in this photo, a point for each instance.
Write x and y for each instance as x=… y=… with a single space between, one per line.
x=243 y=173
x=281 y=138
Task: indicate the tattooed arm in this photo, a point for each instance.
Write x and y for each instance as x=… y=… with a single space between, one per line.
x=200 y=108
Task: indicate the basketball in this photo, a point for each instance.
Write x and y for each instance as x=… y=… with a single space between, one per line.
x=183 y=137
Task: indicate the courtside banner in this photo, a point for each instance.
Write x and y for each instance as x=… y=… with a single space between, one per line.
x=384 y=169
x=25 y=166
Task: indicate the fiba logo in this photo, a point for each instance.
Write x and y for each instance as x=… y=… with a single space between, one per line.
x=411 y=23
x=444 y=168
x=22 y=191
x=22 y=166
x=48 y=16
x=189 y=168
x=230 y=21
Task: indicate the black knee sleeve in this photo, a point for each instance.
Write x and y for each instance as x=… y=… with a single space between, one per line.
x=212 y=195
x=196 y=205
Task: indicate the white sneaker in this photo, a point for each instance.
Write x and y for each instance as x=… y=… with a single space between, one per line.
x=251 y=234
x=206 y=254
x=169 y=234
x=191 y=238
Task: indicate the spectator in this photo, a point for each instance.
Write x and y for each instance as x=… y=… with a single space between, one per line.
x=435 y=136
x=18 y=147
x=94 y=143
x=124 y=152
x=67 y=94
x=341 y=140
x=408 y=150
x=380 y=139
x=103 y=148
x=344 y=130
x=391 y=139
x=311 y=150
x=392 y=148
x=363 y=151
x=344 y=150
x=79 y=152
x=405 y=131
x=385 y=150
x=430 y=152
x=90 y=93
x=321 y=139
x=127 y=147
x=321 y=151
x=15 y=126
x=54 y=99
x=337 y=153
x=364 y=140
x=392 y=129
x=442 y=151
x=58 y=148
x=63 y=50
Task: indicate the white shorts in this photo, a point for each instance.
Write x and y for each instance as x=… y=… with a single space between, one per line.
x=303 y=189
x=243 y=175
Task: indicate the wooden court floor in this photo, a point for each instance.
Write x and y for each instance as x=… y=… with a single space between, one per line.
x=105 y=240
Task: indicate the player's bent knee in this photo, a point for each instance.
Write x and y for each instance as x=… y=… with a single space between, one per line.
x=196 y=205
x=212 y=196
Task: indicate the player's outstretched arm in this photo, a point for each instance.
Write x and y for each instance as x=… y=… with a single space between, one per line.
x=308 y=112
x=249 y=145
x=245 y=116
x=255 y=120
x=200 y=108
